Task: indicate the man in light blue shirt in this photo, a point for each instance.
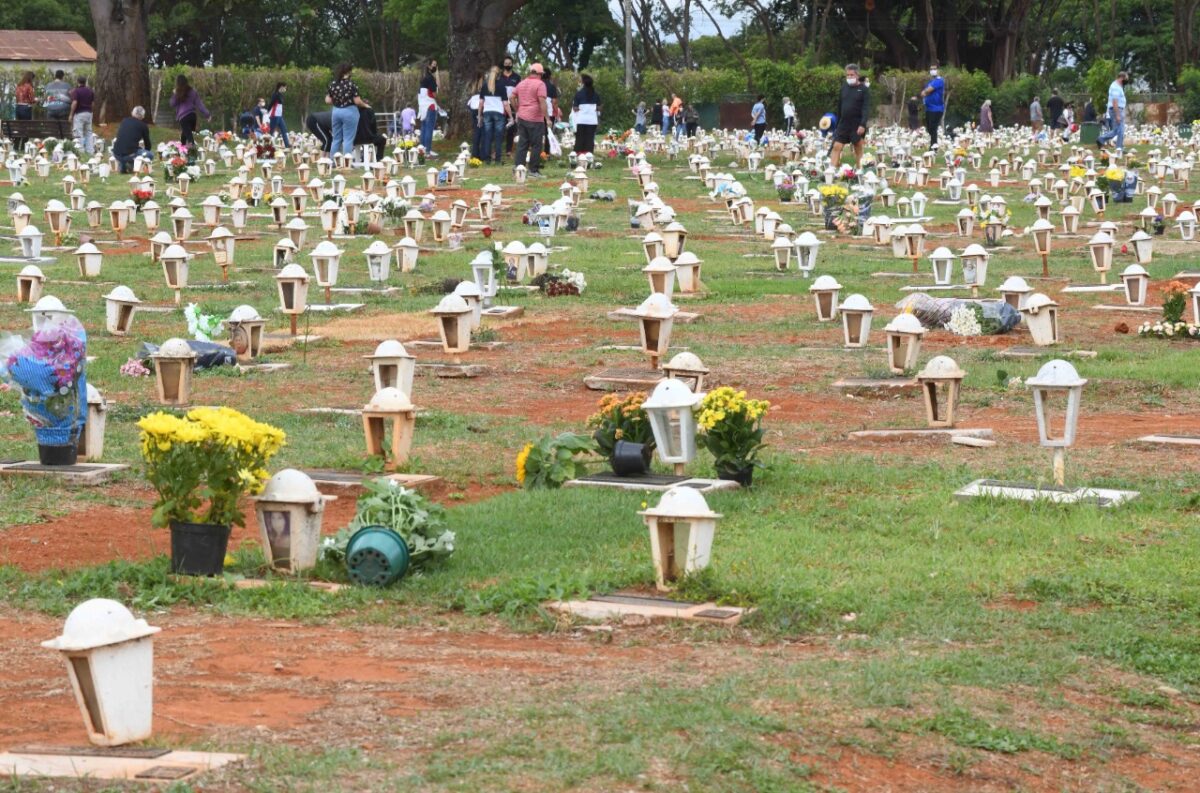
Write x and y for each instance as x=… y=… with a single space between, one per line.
x=1116 y=113
x=758 y=117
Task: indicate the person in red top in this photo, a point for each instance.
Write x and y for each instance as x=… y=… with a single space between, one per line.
x=529 y=104
x=26 y=96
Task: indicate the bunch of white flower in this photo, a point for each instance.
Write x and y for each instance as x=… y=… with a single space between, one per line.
x=574 y=279
x=964 y=322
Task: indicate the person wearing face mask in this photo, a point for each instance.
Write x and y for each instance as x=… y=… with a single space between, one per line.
x=427 y=106
x=934 y=96
x=853 y=111
x=510 y=80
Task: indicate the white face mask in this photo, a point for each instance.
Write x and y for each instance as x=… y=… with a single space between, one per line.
x=933 y=72
x=851 y=81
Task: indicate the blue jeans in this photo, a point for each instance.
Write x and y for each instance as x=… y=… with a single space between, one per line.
x=277 y=123
x=1115 y=130
x=493 y=136
x=345 y=127
x=428 y=125
x=126 y=160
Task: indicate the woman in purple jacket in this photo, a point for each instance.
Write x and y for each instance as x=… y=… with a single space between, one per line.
x=187 y=104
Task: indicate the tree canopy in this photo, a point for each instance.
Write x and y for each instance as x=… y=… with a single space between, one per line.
x=1153 y=39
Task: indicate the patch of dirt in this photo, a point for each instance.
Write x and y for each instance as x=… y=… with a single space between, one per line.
x=101 y=533
x=222 y=680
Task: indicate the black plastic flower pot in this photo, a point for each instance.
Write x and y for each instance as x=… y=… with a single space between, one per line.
x=743 y=476
x=198 y=548
x=630 y=459
x=56 y=454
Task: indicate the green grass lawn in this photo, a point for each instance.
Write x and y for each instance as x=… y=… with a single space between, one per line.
x=973 y=642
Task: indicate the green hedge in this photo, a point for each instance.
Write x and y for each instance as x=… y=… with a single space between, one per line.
x=227 y=90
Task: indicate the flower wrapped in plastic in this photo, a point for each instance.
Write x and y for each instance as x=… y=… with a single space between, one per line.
x=49 y=372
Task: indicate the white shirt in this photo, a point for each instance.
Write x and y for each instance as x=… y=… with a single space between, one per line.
x=586 y=114
x=424 y=102
x=789 y=110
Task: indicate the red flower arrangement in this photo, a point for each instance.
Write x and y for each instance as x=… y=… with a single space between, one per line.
x=140 y=197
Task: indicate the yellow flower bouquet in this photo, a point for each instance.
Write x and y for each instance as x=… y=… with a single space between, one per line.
x=200 y=465
x=833 y=195
x=731 y=428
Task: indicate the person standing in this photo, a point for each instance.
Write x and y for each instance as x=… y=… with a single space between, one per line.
x=853 y=112
x=553 y=113
x=639 y=118
x=493 y=113
x=529 y=105
x=914 y=118
x=1089 y=112
x=1035 y=116
x=509 y=79
x=691 y=119
x=666 y=117
x=586 y=109
x=427 y=105
x=132 y=140
x=1116 y=113
x=408 y=120
x=277 y=124
x=187 y=104
x=343 y=95
x=987 y=124
x=789 y=116
x=58 y=98
x=26 y=96
x=475 y=107
x=82 y=99
x=934 y=96
x=676 y=107
x=1054 y=109
x=758 y=118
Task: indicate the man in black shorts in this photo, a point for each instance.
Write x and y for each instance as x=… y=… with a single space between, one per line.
x=853 y=107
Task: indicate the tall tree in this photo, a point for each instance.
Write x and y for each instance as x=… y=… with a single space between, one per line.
x=122 y=57
x=1187 y=43
x=477 y=41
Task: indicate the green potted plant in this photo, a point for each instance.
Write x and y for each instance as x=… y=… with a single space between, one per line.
x=621 y=430
x=394 y=528
x=731 y=428
x=200 y=466
x=552 y=460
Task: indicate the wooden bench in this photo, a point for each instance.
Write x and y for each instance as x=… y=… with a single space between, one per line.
x=20 y=131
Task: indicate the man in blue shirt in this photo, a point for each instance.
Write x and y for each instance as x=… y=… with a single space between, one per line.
x=934 y=96
x=758 y=116
x=1116 y=113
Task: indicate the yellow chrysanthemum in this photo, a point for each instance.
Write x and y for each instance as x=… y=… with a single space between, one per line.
x=521 y=458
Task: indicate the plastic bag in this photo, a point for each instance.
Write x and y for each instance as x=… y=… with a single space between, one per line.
x=555 y=146
x=208 y=354
x=934 y=312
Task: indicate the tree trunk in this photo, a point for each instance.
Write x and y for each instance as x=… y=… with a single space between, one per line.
x=122 y=58
x=477 y=41
x=1185 y=34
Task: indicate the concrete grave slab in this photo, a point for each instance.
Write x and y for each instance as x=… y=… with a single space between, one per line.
x=1170 y=440
x=682 y=317
x=618 y=607
x=451 y=370
x=1088 y=288
x=1129 y=309
x=880 y=387
x=1027 y=491
x=78 y=474
x=924 y=432
x=169 y=767
x=502 y=312
x=324 y=476
x=1043 y=352
x=329 y=308
x=623 y=379
x=654 y=482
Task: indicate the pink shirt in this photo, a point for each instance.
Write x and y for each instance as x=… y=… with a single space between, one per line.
x=531 y=99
